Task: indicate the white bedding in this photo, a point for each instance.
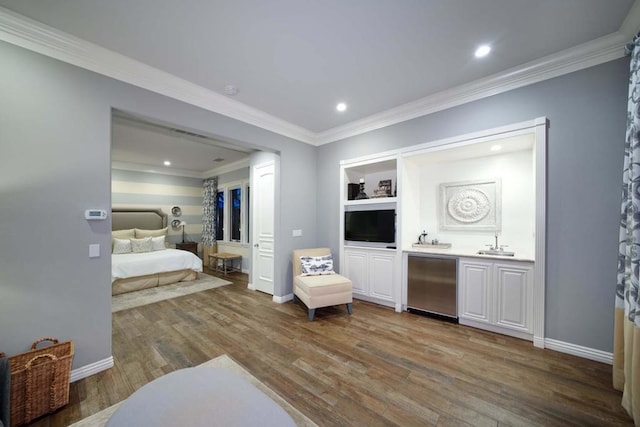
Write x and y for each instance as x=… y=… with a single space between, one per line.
x=141 y=264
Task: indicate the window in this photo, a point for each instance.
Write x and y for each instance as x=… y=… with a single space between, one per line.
x=236 y=216
x=232 y=212
x=220 y=215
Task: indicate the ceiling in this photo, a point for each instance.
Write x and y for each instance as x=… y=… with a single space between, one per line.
x=295 y=59
x=137 y=144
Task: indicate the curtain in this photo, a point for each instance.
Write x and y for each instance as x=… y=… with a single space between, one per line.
x=626 y=343
x=209 y=246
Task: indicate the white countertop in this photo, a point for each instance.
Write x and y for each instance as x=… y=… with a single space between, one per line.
x=461 y=251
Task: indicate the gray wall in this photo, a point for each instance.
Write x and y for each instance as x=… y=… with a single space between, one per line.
x=236 y=175
x=165 y=192
x=55 y=122
x=586 y=112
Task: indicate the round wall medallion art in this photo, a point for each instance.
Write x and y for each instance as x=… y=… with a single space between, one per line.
x=176 y=211
x=469 y=206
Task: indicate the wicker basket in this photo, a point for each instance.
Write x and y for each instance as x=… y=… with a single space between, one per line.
x=40 y=380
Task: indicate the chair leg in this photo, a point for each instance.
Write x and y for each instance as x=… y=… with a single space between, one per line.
x=349 y=308
x=312 y=312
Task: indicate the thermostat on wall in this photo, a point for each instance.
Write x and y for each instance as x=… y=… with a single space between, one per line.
x=95 y=214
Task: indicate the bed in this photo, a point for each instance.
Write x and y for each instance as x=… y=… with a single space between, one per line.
x=134 y=264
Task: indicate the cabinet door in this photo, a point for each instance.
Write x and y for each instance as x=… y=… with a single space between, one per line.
x=355 y=268
x=476 y=291
x=514 y=297
x=381 y=274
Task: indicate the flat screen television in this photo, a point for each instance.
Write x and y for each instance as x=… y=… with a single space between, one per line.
x=370 y=226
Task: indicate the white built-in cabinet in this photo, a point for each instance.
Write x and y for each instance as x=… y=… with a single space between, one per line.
x=372 y=272
x=374 y=268
x=496 y=295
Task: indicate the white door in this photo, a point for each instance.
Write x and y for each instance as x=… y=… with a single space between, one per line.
x=263 y=191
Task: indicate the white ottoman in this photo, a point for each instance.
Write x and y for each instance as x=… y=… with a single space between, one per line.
x=199 y=397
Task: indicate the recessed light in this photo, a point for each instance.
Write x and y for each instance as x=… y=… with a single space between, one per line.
x=495 y=148
x=167 y=163
x=483 y=51
x=341 y=107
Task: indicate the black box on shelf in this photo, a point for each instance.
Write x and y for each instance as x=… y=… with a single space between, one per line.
x=352 y=191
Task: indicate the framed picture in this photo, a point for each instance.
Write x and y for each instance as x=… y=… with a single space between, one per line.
x=384 y=189
x=471 y=205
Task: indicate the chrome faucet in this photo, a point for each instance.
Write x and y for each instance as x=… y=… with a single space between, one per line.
x=422 y=238
x=496 y=247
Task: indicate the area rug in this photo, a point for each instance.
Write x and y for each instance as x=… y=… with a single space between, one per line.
x=224 y=362
x=160 y=293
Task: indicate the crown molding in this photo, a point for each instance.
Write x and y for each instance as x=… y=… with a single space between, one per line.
x=583 y=56
x=35 y=36
x=238 y=164
x=138 y=167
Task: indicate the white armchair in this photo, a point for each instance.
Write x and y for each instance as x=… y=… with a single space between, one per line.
x=321 y=290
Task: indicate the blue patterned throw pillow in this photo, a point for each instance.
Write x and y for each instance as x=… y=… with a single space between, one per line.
x=316 y=265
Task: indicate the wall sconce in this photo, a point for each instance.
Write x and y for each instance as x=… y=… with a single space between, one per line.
x=176 y=224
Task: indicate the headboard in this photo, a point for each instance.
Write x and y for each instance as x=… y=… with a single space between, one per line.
x=146 y=219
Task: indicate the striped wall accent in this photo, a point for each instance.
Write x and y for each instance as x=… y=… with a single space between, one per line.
x=152 y=190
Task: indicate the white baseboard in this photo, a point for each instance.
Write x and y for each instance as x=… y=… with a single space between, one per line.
x=538 y=342
x=251 y=287
x=580 y=351
x=283 y=298
x=91 y=369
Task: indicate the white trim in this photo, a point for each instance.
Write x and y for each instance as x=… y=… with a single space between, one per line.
x=283 y=298
x=239 y=164
x=91 y=369
x=137 y=167
x=539 y=268
x=494 y=328
x=35 y=36
x=580 y=351
x=595 y=52
x=506 y=131
x=251 y=286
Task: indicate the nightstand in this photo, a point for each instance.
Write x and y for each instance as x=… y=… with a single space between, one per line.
x=188 y=246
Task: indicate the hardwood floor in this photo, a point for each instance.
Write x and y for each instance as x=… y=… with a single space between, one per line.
x=375 y=367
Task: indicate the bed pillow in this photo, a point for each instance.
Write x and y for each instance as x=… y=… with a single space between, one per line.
x=316 y=265
x=141 y=245
x=122 y=234
x=140 y=233
x=121 y=246
x=157 y=243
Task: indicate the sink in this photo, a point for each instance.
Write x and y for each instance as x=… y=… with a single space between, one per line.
x=495 y=252
x=432 y=245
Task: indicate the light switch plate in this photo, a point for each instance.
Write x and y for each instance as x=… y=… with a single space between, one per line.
x=94 y=250
x=297 y=233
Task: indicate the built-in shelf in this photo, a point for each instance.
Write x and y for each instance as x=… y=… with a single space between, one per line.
x=372 y=201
